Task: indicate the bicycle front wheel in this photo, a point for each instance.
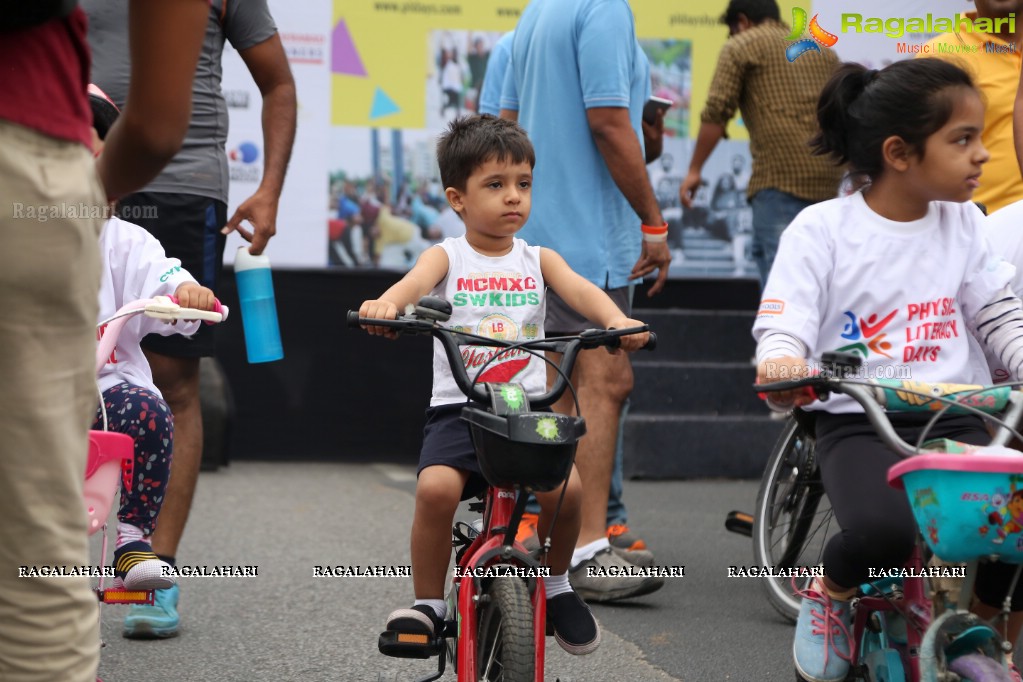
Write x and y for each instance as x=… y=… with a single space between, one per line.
x=793 y=518
x=505 y=649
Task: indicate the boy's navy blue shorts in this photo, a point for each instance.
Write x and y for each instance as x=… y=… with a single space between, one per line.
x=447 y=441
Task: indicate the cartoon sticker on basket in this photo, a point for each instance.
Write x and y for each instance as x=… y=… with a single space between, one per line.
x=1004 y=514
x=922 y=499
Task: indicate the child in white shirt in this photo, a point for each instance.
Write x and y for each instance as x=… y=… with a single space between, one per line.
x=901 y=274
x=136 y=267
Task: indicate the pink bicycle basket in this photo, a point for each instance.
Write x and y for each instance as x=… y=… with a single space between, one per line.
x=109 y=454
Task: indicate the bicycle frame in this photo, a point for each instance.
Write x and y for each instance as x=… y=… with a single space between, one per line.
x=915 y=606
x=922 y=647
x=500 y=522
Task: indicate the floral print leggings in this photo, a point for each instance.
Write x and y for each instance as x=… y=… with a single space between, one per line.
x=143 y=415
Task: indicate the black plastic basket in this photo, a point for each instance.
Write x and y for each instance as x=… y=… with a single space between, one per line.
x=530 y=450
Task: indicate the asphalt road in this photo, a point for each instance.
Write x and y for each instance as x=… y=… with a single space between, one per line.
x=287 y=625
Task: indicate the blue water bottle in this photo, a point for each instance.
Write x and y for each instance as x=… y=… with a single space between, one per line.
x=259 y=309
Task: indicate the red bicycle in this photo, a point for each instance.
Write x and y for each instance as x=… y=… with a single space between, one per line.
x=496 y=604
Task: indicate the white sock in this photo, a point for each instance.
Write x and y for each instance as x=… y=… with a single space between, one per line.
x=127 y=533
x=556 y=584
x=439 y=606
x=588 y=551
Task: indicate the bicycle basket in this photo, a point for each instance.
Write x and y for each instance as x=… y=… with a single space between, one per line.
x=530 y=449
x=966 y=505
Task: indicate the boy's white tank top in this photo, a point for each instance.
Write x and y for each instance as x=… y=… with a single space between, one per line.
x=500 y=298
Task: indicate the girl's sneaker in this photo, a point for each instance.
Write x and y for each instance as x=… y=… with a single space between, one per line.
x=821 y=646
x=575 y=629
x=139 y=568
x=158 y=621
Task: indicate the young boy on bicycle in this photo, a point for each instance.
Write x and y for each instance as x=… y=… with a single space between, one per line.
x=136 y=267
x=496 y=285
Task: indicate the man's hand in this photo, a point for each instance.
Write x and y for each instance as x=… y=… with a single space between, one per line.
x=379 y=310
x=260 y=210
x=653 y=137
x=655 y=256
x=191 y=295
x=690 y=185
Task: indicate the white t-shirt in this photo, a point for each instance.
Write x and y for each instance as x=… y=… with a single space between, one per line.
x=500 y=297
x=1005 y=232
x=135 y=267
x=902 y=295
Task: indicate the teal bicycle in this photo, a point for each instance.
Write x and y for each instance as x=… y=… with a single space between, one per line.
x=904 y=630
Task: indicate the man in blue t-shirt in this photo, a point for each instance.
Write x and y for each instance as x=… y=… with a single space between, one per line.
x=593 y=203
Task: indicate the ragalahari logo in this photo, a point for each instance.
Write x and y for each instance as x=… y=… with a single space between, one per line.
x=818 y=36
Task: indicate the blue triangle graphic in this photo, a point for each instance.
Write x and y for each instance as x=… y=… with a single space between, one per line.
x=382 y=105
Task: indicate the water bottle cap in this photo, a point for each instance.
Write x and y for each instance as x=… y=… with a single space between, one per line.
x=243 y=260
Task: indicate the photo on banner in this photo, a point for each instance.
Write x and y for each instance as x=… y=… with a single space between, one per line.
x=378 y=81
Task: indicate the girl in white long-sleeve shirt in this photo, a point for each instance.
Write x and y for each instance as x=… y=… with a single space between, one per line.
x=901 y=274
x=136 y=267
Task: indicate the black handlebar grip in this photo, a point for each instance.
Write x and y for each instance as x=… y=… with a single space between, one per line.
x=353 y=318
x=651 y=344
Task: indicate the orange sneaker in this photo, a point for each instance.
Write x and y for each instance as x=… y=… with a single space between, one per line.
x=527 y=526
x=620 y=536
x=527 y=534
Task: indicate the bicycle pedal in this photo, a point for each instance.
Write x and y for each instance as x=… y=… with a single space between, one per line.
x=115 y=596
x=739 y=522
x=408 y=645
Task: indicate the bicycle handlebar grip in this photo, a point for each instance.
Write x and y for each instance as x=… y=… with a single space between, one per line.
x=651 y=344
x=353 y=318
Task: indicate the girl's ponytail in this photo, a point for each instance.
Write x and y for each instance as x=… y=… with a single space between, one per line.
x=836 y=126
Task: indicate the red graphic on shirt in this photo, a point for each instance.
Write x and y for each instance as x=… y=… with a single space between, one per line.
x=933 y=321
x=113 y=353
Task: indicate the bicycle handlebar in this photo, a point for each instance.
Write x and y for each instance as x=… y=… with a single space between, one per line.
x=878 y=394
x=161 y=308
x=450 y=340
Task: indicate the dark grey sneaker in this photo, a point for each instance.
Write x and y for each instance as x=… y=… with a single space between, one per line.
x=575 y=629
x=608 y=577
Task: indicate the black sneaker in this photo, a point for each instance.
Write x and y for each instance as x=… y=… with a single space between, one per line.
x=575 y=628
x=419 y=620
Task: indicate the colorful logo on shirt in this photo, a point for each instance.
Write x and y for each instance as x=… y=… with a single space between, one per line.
x=867 y=334
x=818 y=36
x=498 y=326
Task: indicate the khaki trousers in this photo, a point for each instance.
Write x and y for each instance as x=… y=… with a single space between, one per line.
x=49 y=290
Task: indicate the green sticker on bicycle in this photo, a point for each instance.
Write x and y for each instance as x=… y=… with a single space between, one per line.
x=512 y=396
x=547 y=428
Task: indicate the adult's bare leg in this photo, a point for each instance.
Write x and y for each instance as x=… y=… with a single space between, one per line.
x=178 y=381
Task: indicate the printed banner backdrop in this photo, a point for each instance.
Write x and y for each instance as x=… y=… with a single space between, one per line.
x=378 y=80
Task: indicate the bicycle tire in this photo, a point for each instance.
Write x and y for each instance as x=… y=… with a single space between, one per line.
x=504 y=639
x=793 y=518
x=979 y=668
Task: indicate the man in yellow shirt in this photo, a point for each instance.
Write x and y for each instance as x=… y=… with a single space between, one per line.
x=993 y=60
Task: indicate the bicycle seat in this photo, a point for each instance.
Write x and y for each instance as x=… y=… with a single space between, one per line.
x=968 y=505
x=107 y=451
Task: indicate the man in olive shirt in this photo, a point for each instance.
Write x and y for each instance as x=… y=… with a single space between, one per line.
x=778 y=102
